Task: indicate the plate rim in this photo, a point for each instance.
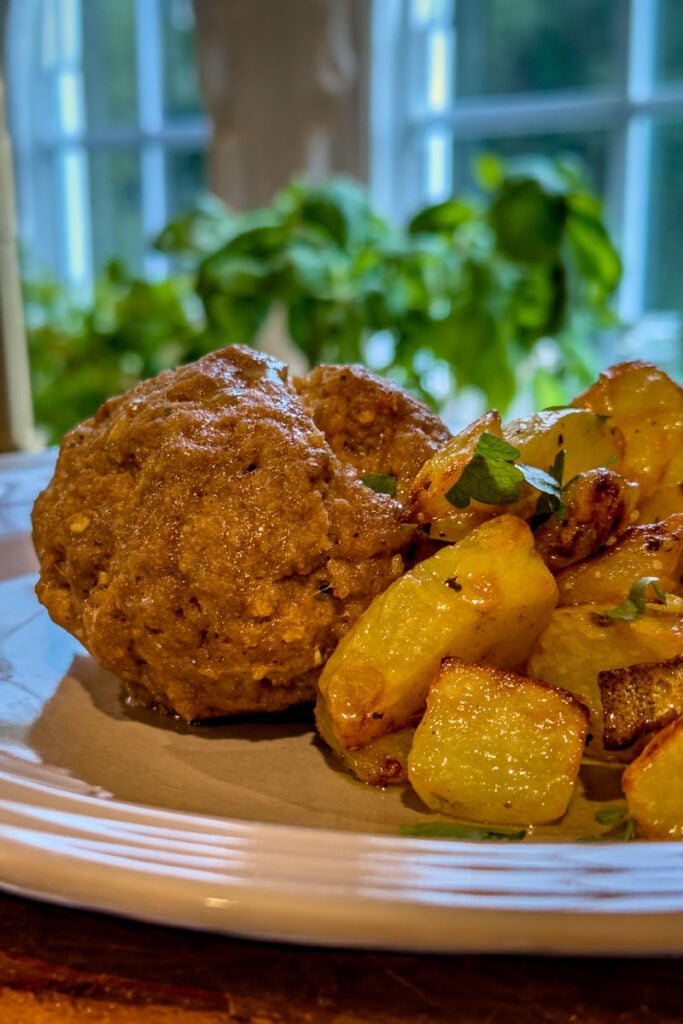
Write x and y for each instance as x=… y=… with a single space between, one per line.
x=429 y=897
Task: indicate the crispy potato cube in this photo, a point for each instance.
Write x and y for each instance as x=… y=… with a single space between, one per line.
x=497 y=747
x=384 y=762
x=588 y=440
x=639 y=699
x=667 y=498
x=652 y=785
x=581 y=641
x=646 y=405
x=653 y=549
x=599 y=506
x=485 y=598
x=427 y=500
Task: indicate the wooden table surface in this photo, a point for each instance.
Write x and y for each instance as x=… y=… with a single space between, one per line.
x=61 y=965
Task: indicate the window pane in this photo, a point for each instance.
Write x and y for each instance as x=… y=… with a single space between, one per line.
x=665 y=249
x=508 y=46
x=109 y=63
x=185 y=179
x=670 y=41
x=116 y=204
x=430 y=12
x=588 y=149
x=181 y=97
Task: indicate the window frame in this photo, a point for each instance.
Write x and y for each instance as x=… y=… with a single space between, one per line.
x=53 y=141
x=405 y=119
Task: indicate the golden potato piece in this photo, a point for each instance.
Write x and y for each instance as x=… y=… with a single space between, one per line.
x=639 y=699
x=652 y=785
x=599 y=506
x=581 y=641
x=485 y=598
x=588 y=439
x=646 y=405
x=651 y=549
x=667 y=498
x=427 y=500
x=384 y=762
x=497 y=747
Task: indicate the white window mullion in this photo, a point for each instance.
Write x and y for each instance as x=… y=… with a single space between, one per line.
x=439 y=82
x=530 y=113
x=642 y=44
x=635 y=220
x=149 y=59
x=71 y=156
x=638 y=153
x=388 y=42
x=615 y=184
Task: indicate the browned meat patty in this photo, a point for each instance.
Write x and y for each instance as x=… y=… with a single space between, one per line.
x=376 y=427
x=208 y=542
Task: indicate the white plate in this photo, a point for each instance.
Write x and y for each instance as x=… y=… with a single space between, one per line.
x=248 y=829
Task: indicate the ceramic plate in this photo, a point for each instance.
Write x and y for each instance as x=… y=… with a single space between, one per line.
x=249 y=829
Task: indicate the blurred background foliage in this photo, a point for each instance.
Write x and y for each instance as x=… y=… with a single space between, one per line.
x=503 y=290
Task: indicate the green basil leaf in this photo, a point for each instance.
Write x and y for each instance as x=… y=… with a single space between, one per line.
x=381 y=483
x=541 y=480
x=493 y=478
x=490 y=481
x=494 y=447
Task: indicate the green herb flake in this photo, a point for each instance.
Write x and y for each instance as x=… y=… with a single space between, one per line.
x=636 y=602
x=492 y=477
x=620 y=827
x=611 y=815
x=381 y=483
x=491 y=447
x=456 y=830
x=628 y=832
x=490 y=481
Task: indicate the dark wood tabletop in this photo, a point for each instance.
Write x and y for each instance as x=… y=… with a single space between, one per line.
x=59 y=964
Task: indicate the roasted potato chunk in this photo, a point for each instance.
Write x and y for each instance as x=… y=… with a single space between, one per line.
x=599 y=506
x=646 y=405
x=653 y=549
x=581 y=641
x=652 y=785
x=639 y=699
x=427 y=502
x=667 y=497
x=485 y=598
x=384 y=762
x=588 y=441
x=497 y=747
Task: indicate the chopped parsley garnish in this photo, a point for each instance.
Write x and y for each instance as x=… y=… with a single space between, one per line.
x=381 y=483
x=621 y=827
x=456 y=830
x=548 y=503
x=636 y=603
x=494 y=478
x=610 y=815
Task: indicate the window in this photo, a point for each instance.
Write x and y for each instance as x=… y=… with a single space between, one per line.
x=600 y=81
x=109 y=134
x=110 y=137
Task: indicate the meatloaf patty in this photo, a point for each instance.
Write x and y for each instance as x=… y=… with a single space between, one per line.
x=207 y=535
